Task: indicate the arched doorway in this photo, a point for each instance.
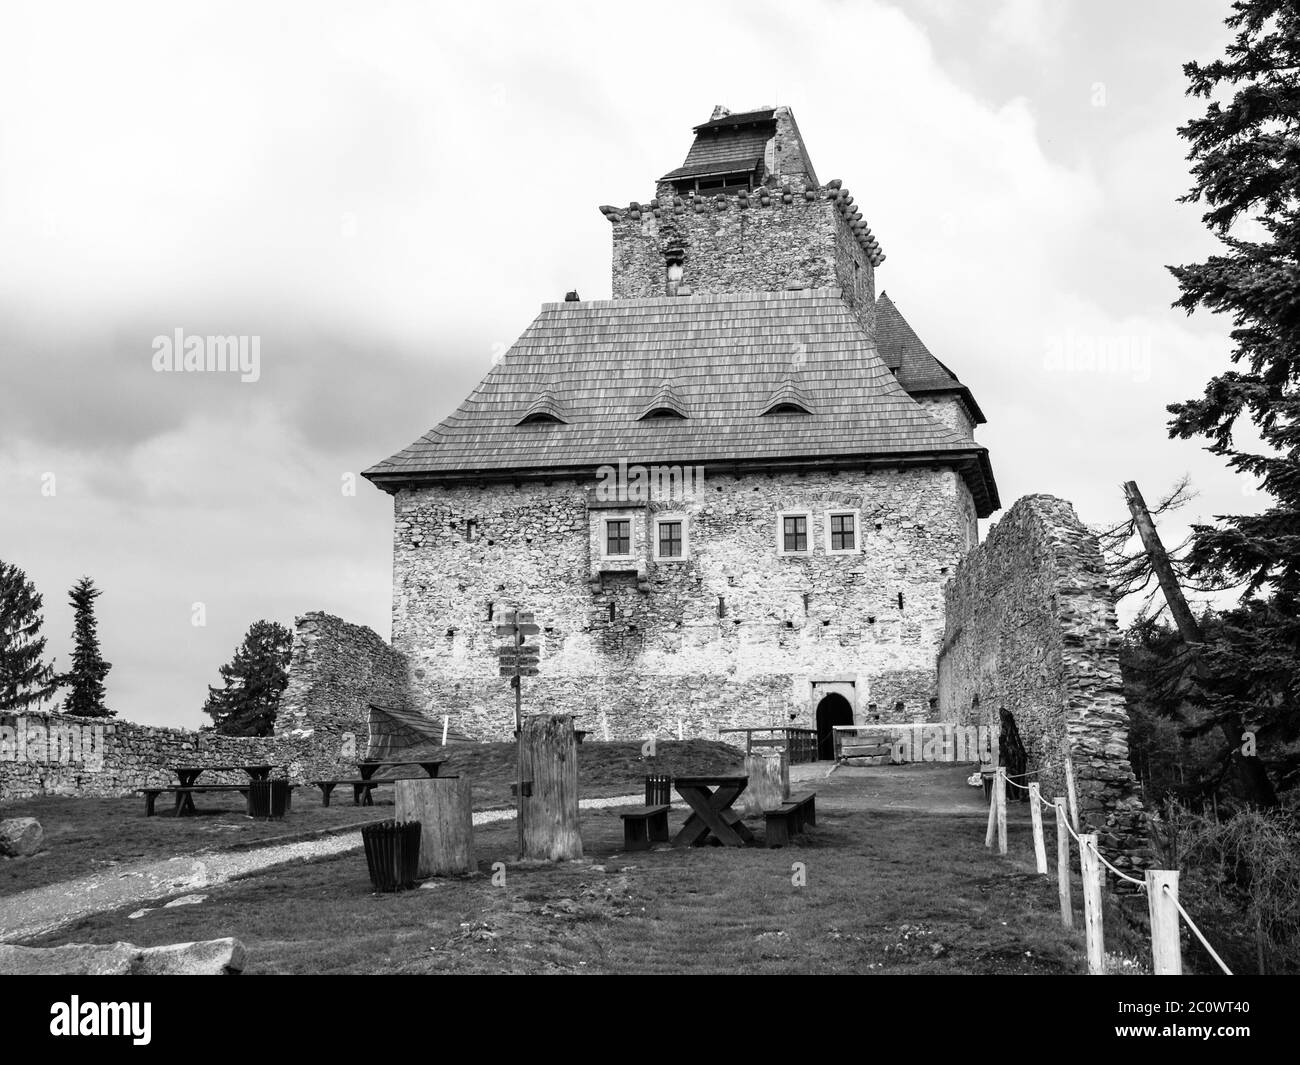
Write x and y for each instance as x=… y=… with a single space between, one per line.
x=833 y=710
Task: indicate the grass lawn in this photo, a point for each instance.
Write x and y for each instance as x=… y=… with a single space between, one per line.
x=84 y=836
x=886 y=891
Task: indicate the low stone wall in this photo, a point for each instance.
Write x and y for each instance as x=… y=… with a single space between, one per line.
x=335 y=670
x=54 y=754
x=1031 y=628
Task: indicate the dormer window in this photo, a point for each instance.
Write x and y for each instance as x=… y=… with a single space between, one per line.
x=666 y=403
x=545 y=408
x=788 y=398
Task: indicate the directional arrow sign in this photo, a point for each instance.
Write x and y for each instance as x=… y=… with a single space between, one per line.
x=528 y=671
x=528 y=629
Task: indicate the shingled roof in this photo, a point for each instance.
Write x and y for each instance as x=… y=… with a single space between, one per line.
x=917 y=370
x=726 y=356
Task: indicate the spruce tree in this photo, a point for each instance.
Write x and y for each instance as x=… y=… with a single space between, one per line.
x=1245 y=155
x=252 y=682
x=25 y=676
x=86 y=677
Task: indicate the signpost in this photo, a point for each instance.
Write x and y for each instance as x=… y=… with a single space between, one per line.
x=516 y=659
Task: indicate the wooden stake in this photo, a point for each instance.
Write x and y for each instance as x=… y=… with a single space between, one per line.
x=993 y=819
x=1070 y=791
x=1166 y=954
x=1000 y=797
x=1063 y=862
x=1036 y=816
x=1090 y=868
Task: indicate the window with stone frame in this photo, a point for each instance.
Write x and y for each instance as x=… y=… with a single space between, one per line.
x=794 y=532
x=671 y=542
x=842 y=532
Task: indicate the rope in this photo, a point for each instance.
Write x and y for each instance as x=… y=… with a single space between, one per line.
x=1192 y=925
x=1133 y=880
x=1122 y=876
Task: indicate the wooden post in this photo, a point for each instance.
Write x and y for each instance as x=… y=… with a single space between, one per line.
x=445 y=811
x=1069 y=789
x=993 y=818
x=1000 y=797
x=549 y=822
x=1063 y=862
x=763 y=792
x=1036 y=816
x=1090 y=867
x=1166 y=954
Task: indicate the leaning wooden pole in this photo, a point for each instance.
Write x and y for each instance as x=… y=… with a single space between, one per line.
x=1250 y=770
x=1036 y=818
x=1063 y=861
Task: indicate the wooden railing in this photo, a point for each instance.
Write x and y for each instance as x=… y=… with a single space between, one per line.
x=800 y=742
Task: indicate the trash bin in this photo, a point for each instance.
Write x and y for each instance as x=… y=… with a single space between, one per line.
x=392 y=853
x=268 y=799
x=658 y=789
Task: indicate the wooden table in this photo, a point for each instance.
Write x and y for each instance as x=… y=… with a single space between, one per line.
x=367 y=768
x=710 y=800
x=188 y=775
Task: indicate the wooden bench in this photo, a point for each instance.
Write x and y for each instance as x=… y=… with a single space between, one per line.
x=184 y=795
x=643 y=826
x=795 y=813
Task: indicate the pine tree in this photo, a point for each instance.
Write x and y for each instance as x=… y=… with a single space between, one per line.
x=86 y=677
x=1245 y=154
x=253 y=681
x=25 y=676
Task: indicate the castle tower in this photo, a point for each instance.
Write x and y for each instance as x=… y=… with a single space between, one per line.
x=745 y=213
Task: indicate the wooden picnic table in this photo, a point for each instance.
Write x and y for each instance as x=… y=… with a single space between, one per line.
x=710 y=799
x=368 y=767
x=188 y=776
x=366 y=781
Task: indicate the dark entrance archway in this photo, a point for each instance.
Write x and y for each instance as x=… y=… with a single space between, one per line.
x=834 y=709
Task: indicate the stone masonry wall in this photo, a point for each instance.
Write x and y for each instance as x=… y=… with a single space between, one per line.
x=54 y=754
x=735 y=635
x=801 y=239
x=1031 y=628
x=335 y=671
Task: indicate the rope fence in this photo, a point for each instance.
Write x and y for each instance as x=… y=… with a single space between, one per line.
x=1160 y=885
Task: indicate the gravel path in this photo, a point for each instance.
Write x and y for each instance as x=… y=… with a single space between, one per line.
x=42 y=910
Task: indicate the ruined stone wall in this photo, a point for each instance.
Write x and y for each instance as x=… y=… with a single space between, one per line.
x=335 y=671
x=1031 y=627
x=733 y=635
x=55 y=754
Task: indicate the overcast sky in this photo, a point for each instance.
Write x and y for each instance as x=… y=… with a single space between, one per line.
x=385 y=193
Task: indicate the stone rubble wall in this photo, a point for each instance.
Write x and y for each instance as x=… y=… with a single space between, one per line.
x=56 y=754
x=797 y=239
x=1031 y=628
x=336 y=669
x=733 y=636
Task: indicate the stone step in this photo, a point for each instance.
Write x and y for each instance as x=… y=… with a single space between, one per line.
x=879 y=759
x=865 y=750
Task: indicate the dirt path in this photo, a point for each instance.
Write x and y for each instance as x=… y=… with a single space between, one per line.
x=41 y=910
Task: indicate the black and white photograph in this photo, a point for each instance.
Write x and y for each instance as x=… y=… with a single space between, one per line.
x=580 y=488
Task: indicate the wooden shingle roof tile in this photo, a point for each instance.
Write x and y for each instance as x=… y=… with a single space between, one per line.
x=725 y=356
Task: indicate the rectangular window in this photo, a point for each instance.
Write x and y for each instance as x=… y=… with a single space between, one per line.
x=670 y=539
x=618 y=537
x=795 y=534
x=843 y=534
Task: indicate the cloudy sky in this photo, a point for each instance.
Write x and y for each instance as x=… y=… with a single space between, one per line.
x=384 y=193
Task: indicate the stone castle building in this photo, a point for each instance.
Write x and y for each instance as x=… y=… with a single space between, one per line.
x=731 y=495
